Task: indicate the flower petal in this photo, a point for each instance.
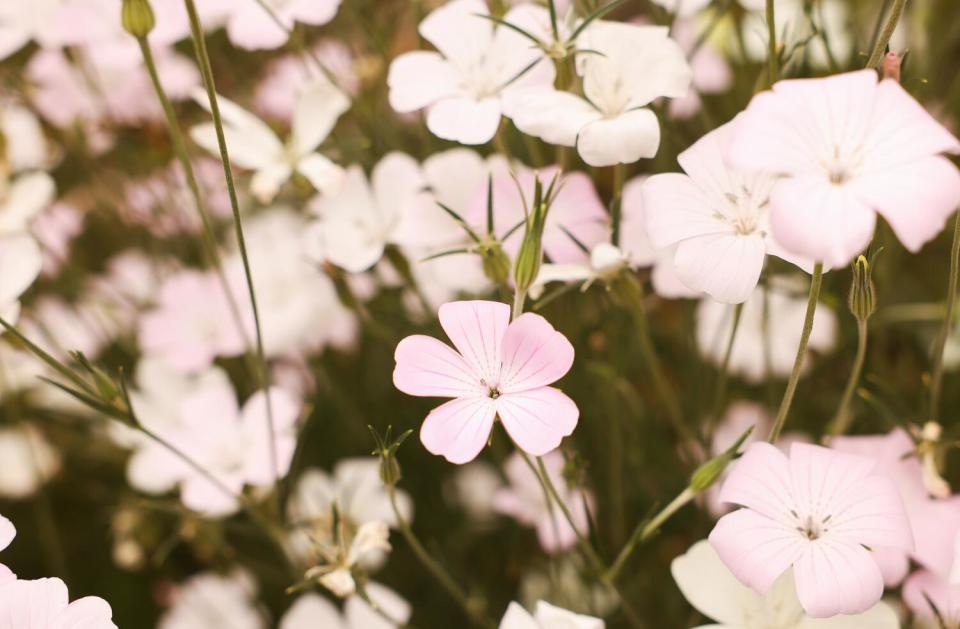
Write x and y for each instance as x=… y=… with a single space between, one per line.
x=620 y=140
x=533 y=354
x=756 y=548
x=430 y=368
x=552 y=115
x=709 y=586
x=318 y=108
x=20 y=264
x=458 y=429
x=476 y=329
x=89 y=612
x=537 y=420
x=457 y=31
x=310 y=611
x=464 y=119
x=32 y=604
x=419 y=78
x=725 y=266
x=835 y=577
x=7 y=532
x=323 y=174
x=676 y=208
x=760 y=480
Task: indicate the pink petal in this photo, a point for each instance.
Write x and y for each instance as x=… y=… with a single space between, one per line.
x=815 y=219
x=418 y=79
x=476 y=329
x=537 y=420
x=251 y=28
x=90 y=612
x=835 y=577
x=464 y=119
x=676 y=209
x=429 y=368
x=925 y=585
x=761 y=481
x=916 y=198
x=936 y=528
x=32 y=604
x=756 y=548
x=577 y=210
x=894 y=565
x=314 y=12
x=725 y=266
x=533 y=354
x=457 y=31
x=458 y=429
x=7 y=532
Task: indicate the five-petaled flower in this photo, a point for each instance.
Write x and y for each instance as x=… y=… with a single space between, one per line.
x=500 y=368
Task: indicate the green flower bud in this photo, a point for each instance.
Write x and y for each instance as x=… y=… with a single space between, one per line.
x=863 y=294
x=708 y=473
x=496 y=263
x=137 y=17
x=390 y=472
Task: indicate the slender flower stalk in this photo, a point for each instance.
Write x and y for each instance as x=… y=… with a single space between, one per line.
x=647 y=528
x=815 y=283
x=203 y=59
x=773 y=55
x=843 y=416
x=893 y=18
x=720 y=391
x=616 y=203
x=936 y=373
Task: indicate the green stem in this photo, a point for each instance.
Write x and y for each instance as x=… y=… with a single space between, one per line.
x=434 y=568
x=880 y=46
x=936 y=373
x=203 y=59
x=646 y=529
x=842 y=418
x=815 y=283
x=720 y=391
x=773 y=56
x=616 y=203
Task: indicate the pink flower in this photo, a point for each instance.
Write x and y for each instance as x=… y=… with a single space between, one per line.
x=524 y=501
x=44 y=604
x=500 y=369
x=816 y=512
x=849 y=148
x=7 y=533
x=251 y=27
x=924 y=588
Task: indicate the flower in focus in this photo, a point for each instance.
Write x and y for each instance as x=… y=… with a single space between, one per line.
x=45 y=604
x=499 y=368
x=254 y=145
x=770 y=325
x=523 y=499
x=816 y=513
x=547 y=616
x=29 y=461
x=611 y=123
x=717 y=218
x=848 y=148
x=711 y=588
x=477 y=64
x=312 y=611
x=358 y=495
x=210 y=600
x=252 y=26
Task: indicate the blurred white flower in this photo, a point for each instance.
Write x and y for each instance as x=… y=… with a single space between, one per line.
x=610 y=124
x=477 y=64
x=284 y=78
x=312 y=611
x=252 y=144
x=473 y=487
x=250 y=26
x=547 y=616
x=28 y=462
x=340 y=558
x=210 y=600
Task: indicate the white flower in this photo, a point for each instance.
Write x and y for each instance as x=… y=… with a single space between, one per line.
x=251 y=27
x=28 y=461
x=209 y=600
x=253 y=145
x=610 y=124
x=312 y=611
x=773 y=329
x=711 y=588
x=336 y=574
x=21 y=22
x=605 y=261
x=477 y=65
x=547 y=616
x=45 y=604
x=21 y=199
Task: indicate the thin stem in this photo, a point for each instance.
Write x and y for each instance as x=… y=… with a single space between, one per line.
x=815 y=283
x=434 y=568
x=616 y=203
x=936 y=373
x=720 y=391
x=646 y=529
x=519 y=298
x=773 y=56
x=842 y=418
x=880 y=46
x=200 y=48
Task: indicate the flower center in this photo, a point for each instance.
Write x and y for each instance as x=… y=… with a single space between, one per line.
x=493 y=390
x=744 y=212
x=812 y=527
x=839 y=175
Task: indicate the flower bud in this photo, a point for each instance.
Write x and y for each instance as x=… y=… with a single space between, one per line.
x=527 y=265
x=496 y=264
x=137 y=17
x=707 y=474
x=863 y=294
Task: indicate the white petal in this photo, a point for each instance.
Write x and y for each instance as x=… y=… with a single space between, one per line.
x=709 y=586
x=20 y=264
x=418 y=79
x=621 y=140
x=551 y=115
x=465 y=120
x=319 y=106
x=725 y=266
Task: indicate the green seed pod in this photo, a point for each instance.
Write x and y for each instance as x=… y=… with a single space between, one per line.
x=137 y=17
x=863 y=294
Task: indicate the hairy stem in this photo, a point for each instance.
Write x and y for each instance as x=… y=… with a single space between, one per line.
x=815 y=282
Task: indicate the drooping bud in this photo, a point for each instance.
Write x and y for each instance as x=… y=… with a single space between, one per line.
x=137 y=17
x=863 y=294
x=707 y=474
x=890 y=68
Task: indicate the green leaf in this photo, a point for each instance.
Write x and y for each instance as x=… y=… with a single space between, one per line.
x=594 y=16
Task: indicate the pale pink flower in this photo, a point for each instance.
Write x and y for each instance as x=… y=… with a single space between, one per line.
x=814 y=512
x=848 y=148
x=717 y=218
x=923 y=588
x=7 y=533
x=611 y=124
x=312 y=611
x=477 y=64
x=711 y=72
x=251 y=27
x=547 y=616
x=29 y=461
x=523 y=500
x=192 y=323
x=45 y=604
x=54 y=231
x=285 y=78
x=499 y=368
x=210 y=600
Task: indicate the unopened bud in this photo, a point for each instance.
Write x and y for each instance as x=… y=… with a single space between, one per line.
x=707 y=474
x=863 y=295
x=137 y=17
x=390 y=472
x=890 y=68
x=496 y=264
